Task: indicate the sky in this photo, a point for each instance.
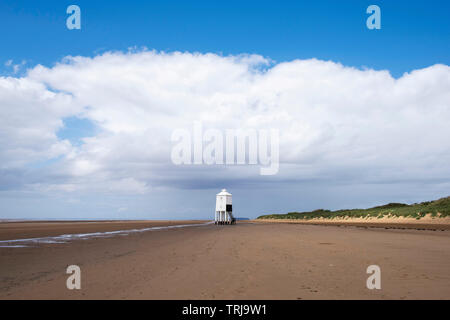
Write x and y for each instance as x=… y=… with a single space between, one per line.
x=88 y=116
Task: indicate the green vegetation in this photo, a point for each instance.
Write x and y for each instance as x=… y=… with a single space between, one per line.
x=437 y=208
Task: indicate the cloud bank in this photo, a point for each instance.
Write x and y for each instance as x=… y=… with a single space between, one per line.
x=337 y=124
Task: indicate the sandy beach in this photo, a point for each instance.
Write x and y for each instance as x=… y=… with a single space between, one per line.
x=426 y=223
x=249 y=260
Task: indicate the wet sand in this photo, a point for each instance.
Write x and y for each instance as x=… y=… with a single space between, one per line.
x=244 y=261
x=34 y=229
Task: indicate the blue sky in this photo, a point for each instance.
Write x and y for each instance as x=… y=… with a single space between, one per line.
x=414 y=34
x=70 y=148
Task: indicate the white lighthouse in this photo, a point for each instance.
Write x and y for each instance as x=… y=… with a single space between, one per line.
x=224 y=208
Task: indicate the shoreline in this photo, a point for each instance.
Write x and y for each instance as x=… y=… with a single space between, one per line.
x=25 y=230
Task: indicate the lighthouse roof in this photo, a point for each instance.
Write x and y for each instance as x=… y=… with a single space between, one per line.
x=224 y=192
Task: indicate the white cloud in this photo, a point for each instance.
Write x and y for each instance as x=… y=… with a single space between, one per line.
x=15 y=67
x=30 y=115
x=336 y=123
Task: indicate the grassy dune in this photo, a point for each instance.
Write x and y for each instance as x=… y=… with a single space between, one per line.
x=437 y=208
